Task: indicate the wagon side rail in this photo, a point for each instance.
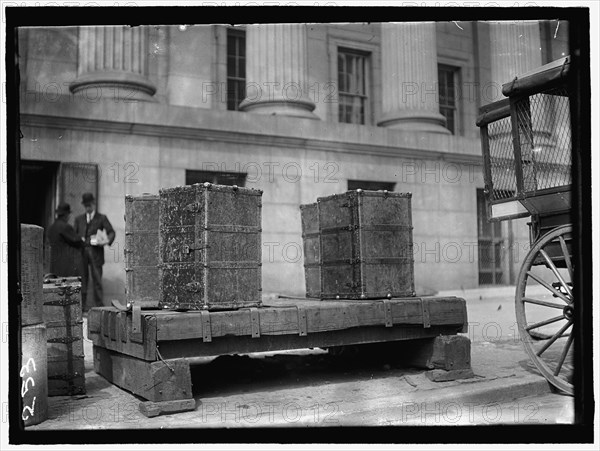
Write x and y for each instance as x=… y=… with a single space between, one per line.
x=501 y=172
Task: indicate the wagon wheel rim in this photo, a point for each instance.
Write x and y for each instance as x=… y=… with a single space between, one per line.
x=546 y=318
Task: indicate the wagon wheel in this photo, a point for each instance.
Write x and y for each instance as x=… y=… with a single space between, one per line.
x=545 y=307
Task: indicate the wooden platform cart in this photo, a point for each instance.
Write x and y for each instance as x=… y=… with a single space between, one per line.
x=152 y=360
x=526 y=143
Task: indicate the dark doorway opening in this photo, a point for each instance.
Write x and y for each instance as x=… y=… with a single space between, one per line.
x=38 y=192
x=38 y=196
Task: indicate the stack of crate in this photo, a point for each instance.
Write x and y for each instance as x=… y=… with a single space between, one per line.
x=64 y=325
x=33 y=371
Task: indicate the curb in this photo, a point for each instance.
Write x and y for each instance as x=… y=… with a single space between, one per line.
x=493 y=391
x=402 y=408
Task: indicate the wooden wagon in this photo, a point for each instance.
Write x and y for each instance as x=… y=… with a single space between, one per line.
x=526 y=144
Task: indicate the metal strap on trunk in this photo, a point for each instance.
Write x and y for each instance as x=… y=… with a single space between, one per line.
x=66 y=340
x=136 y=324
x=387 y=308
x=113 y=326
x=206 y=328
x=105 y=323
x=64 y=377
x=122 y=320
x=66 y=291
x=425 y=310
x=302 y=322
x=255 y=322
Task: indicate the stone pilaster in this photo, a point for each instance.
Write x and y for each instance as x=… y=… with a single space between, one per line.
x=113 y=62
x=515 y=50
x=410 y=78
x=277 y=71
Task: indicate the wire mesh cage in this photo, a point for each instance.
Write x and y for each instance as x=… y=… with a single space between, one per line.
x=526 y=144
x=500 y=156
x=543 y=126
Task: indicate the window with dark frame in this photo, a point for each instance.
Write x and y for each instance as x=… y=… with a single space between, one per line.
x=370 y=185
x=491 y=246
x=352 y=86
x=447 y=81
x=216 y=177
x=236 y=68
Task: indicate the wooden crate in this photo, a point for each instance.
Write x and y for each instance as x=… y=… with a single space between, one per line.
x=141 y=250
x=64 y=336
x=209 y=247
x=32 y=256
x=34 y=375
x=64 y=341
x=366 y=245
x=62 y=301
x=312 y=249
x=66 y=377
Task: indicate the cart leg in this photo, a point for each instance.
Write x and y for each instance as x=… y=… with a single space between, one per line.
x=448 y=357
x=166 y=384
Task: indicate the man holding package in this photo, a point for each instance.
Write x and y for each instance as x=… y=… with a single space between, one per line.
x=97 y=232
x=65 y=244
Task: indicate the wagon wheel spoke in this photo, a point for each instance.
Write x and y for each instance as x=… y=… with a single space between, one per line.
x=544 y=323
x=555 y=337
x=563 y=355
x=567 y=256
x=548 y=338
x=544 y=303
x=549 y=287
x=553 y=268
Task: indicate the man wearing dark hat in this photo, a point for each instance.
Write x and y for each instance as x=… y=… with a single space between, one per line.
x=64 y=244
x=92 y=226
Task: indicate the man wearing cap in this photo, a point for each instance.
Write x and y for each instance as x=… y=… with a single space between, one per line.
x=88 y=226
x=64 y=244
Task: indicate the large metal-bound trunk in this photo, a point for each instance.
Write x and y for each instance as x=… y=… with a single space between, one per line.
x=64 y=335
x=210 y=247
x=141 y=250
x=312 y=249
x=366 y=245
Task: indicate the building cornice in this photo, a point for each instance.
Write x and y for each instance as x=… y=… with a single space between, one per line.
x=151 y=119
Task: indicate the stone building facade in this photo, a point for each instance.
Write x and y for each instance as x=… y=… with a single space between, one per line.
x=299 y=111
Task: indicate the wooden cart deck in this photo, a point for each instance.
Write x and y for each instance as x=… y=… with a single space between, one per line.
x=152 y=362
x=281 y=324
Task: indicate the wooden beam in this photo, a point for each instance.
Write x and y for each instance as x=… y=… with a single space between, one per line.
x=110 y=328
x=155 y=381
x=445 y=352
x=266 y=343
x=153 y=409
x=281 y=318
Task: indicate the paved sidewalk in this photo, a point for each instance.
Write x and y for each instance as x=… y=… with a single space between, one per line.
x=313 y=388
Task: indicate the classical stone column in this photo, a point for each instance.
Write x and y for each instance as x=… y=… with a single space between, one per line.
x=515 y=49
x=276 y=71
x=410 y=78
x=113 y=63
